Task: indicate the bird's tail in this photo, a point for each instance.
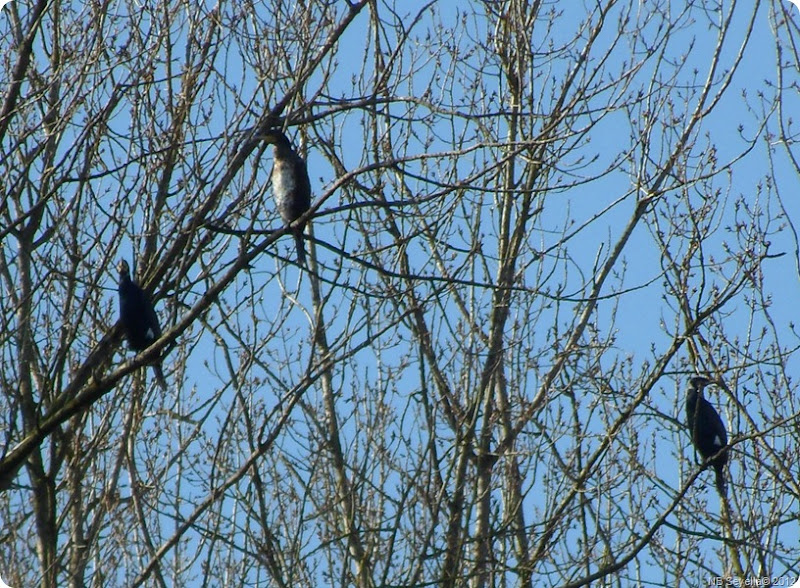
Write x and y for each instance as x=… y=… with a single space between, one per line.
x=301 y=249
x=719 y=471
x=160 y=376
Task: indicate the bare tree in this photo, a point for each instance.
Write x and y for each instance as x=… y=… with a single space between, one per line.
x=531 y=224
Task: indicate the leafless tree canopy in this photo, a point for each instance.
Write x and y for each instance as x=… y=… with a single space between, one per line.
x=532 y=223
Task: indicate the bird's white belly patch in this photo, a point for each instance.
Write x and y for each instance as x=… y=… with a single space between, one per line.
x=282 y=179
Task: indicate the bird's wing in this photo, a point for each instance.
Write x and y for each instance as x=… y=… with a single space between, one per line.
x=303 y=183
x=154 y=329
x=140 y=306
x=715 y=422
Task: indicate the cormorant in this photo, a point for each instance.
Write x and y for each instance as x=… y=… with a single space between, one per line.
x=291 y=187
x=139 y=319
x=707 y=430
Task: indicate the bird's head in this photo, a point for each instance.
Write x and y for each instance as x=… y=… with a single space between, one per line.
x=275 y=137
x=700 y=382
x=123 y=268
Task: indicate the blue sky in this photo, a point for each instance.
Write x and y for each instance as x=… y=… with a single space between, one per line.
x=385 y=377
x=640 y=315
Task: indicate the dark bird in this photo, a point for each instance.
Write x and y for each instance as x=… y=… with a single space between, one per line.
x=290 y=185
x=139 y=319
x=707 y=430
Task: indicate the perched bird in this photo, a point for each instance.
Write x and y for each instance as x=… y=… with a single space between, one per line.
x=290 y=185
x=707 y=430
x=139 y=319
